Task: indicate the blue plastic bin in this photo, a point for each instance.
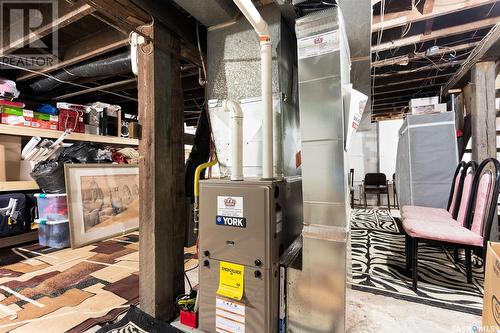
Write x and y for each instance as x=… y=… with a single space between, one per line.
x=53 y=233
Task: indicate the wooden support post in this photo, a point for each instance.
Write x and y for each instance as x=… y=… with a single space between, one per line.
x=162 y=202
x=459 y=112
x=483 y=111
x=467 y=92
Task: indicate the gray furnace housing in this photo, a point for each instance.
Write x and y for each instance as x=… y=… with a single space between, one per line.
x=427 y=157
x=257 y=247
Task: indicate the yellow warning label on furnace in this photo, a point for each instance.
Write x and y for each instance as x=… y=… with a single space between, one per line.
x=231 y=280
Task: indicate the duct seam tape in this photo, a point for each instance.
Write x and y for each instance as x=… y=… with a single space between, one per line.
x=441 y=123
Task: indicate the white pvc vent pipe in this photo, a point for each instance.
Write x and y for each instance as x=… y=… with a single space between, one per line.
x=236 y=138
x=261 y=28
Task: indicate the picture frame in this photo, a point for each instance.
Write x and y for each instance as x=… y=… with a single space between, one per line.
x=103 y=201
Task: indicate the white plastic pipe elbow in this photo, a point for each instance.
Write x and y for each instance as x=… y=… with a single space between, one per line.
x=236 y=138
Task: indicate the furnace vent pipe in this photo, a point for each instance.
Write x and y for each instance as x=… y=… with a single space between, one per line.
x=236 y=138
x=261 y=28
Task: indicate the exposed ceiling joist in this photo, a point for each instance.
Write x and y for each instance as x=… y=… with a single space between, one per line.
x=130 y=15
x=492 y=38
x=420 y=69
x=400 y=19
x=389 y=110
x=69 y=14
x=406 y=97
x=384 y=92
x=87 y=48
x=441 y=33
x=121 y=84
x=402 y=103
x=422 y=55
x=397 y=83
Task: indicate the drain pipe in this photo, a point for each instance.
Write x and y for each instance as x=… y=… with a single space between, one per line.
x=236 y=138
x=260 y=26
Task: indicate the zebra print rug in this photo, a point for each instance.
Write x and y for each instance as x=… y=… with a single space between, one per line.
x=378 y=266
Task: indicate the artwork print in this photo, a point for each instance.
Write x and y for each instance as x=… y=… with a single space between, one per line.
x=103 y=201
x=108 y=200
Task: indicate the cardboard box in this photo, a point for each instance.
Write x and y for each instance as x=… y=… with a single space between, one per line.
x=424 y=101
x=28 y=118
x=10 y=157
x=429 y=109
x=491 y=300
x=15 y=120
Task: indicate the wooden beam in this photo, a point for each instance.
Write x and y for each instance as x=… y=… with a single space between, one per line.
x=399 y=19
x=389 y=109
x=407 y=96
x=413 y=80
x=402 y=103
x=420 y=69
x=483 y=113
x=428 y=8
x=467 y=92
x=129 y=15
x=89 y=47
x=421 y=55
x=406 y=89
x=178 y=23
x=162 y=216
x=459 y=112
x=124 y=13
x=103 y=88
x=69 y=14
x=436 y=34
x=492 y=37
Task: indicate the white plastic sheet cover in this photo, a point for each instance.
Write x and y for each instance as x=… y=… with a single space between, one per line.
x=427 y=158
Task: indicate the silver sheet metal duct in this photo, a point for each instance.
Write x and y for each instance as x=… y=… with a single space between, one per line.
x=316 y=292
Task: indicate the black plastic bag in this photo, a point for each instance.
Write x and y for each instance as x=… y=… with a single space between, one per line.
x=85 y=152
x=49 y=175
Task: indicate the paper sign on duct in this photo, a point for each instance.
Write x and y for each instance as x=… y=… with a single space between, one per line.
x=354 y=105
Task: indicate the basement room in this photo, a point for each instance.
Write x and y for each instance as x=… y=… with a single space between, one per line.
x=259 y=166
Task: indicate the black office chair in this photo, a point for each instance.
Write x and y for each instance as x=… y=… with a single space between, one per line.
x=376 y=183
x=351 y=185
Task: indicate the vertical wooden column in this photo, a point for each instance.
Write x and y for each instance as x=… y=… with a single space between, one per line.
x=162 y=212
x=483 y=111
x=459 y=112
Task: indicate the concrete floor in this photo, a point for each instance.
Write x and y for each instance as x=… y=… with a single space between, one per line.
x=369 y=313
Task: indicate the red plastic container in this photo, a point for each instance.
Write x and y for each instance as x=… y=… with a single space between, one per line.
x=189 y=318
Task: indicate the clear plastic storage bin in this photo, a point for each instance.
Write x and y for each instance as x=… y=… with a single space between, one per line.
x=53 y=233
x=52 y=207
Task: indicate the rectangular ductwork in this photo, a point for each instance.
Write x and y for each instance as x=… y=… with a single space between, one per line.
x=316 y=299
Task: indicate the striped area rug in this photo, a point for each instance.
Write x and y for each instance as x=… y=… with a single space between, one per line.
x=378 y=266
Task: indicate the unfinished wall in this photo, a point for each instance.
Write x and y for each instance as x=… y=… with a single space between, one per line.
x=363 y=153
